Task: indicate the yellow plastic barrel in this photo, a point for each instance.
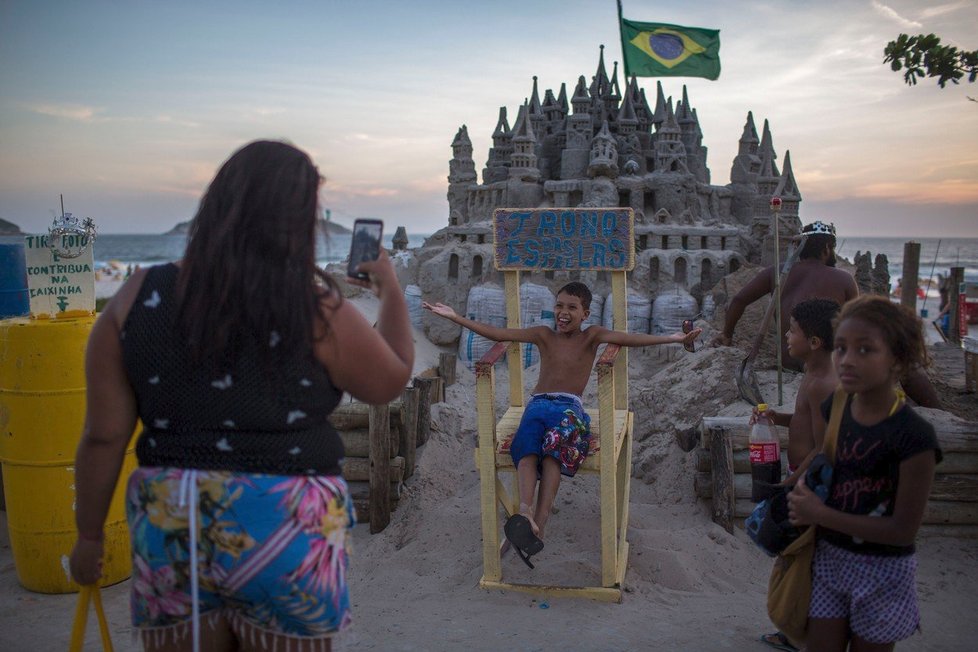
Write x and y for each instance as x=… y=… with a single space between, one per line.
x=42 y=411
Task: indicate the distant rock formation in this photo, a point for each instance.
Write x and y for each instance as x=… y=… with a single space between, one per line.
x=180 y=229
x=9 y=228
x=330 y=228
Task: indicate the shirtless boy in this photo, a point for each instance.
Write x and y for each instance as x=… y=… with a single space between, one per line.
x=809 y=338
x=553 y=437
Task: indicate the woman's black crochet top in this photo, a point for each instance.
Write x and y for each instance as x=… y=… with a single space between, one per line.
x=255 y=413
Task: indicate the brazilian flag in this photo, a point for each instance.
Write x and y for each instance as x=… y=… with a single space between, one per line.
x=662 y=50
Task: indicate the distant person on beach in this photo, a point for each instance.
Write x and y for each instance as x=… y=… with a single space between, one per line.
x=233 y=359
x=810 y=341
x=814 y=276
x=554 y=436
x=863 y=575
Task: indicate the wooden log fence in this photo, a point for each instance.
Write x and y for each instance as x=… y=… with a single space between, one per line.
x=381 y=443
x=723 y=473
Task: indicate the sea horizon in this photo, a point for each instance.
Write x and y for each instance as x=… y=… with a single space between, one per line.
x=937 y=255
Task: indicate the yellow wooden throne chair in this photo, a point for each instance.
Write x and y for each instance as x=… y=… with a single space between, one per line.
x=560 y=239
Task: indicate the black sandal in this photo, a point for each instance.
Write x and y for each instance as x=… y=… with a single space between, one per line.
x=519 y=531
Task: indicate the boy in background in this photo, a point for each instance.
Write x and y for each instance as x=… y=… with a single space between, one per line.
x=810 y=342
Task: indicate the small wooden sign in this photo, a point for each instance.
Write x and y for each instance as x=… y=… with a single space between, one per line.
x=60 y=287
x=564 y=238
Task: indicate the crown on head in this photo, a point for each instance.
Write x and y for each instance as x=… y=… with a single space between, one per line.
x=819 y=227
x=68 y=224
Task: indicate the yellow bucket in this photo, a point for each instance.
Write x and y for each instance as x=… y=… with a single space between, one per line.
x=42 y=411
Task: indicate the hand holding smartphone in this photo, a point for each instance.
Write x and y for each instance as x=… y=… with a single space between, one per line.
x=365 y=245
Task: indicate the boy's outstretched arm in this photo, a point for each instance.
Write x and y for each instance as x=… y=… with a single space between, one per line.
x=485 y=330
x=644 y=339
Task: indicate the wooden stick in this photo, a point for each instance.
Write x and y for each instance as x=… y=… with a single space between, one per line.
x=446 y=367
x=911 y=272
x=380 y=487
x=409 y=429
x=426 y=398
x=722 y=483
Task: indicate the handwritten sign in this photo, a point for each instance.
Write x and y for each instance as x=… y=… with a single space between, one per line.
x=564 y=238
x=60 y=287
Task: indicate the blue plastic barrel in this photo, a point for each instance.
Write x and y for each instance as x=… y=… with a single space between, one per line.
x=14 y=300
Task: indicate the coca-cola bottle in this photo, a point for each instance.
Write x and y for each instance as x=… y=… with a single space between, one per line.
x=765 y=456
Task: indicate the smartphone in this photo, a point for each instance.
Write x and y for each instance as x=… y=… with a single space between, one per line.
x=365 y=245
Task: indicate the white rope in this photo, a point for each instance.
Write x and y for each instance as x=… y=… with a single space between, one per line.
x=188 y=498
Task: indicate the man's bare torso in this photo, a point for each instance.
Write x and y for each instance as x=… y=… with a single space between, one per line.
x=810 y=279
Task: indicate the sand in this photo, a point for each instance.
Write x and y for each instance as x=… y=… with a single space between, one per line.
x=690 y=585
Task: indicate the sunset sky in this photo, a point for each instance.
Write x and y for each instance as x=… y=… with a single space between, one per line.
x=128 y=107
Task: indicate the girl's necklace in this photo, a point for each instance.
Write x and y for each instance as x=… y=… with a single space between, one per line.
x=900 y=395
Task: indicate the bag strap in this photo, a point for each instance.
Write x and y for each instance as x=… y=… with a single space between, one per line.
x=835 y=418
x=89 y=594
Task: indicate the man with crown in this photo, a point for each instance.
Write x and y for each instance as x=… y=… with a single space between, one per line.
x=814 y=276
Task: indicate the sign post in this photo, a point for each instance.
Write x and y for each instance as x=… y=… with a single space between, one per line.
x=61 y=270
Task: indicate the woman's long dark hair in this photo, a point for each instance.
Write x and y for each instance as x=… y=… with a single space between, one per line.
x=250 y=266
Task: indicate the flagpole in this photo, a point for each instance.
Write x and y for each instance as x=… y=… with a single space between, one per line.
x=775 y=215
x=621 y=38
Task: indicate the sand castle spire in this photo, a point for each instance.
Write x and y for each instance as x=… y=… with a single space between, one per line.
x=524 y=160
x=604 y=154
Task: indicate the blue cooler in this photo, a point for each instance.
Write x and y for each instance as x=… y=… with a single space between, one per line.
x=14 y=300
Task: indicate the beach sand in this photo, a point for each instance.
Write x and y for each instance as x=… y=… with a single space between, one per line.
x=690 y=585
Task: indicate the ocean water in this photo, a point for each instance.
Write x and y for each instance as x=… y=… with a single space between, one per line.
x=152 y=249
x=937 y=256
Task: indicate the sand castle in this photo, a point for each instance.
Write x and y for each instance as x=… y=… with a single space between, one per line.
x=607 y=148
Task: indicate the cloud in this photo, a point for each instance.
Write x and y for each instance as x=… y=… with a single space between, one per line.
x=169 y=119
x=946 y=191
x=888 y=12
x=940 y=10
x=69 y=111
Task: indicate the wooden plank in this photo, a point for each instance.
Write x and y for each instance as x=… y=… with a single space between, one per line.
x=953 y=463
x=356 y=415
x=722 y=478
x=362 y=490
x=426 y=388
x=447 y=363
x=514 y=358
x=569 y=238
x=510 y=420
x=485 y=388
x=597 y=593
x=356 y=443
x=911 y=272
x=357 y=469
x=955 y=488
x=380 y=468
x=619 y=291
x=937 y=512
x=954 y=434
x=409 y=429
x=609 y=483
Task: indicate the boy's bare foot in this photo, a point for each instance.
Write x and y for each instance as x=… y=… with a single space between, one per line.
x=526 y=511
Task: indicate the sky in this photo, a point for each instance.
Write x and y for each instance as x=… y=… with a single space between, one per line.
x=128 y=107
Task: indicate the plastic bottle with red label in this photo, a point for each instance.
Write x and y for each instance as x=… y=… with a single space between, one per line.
x=765 y=456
